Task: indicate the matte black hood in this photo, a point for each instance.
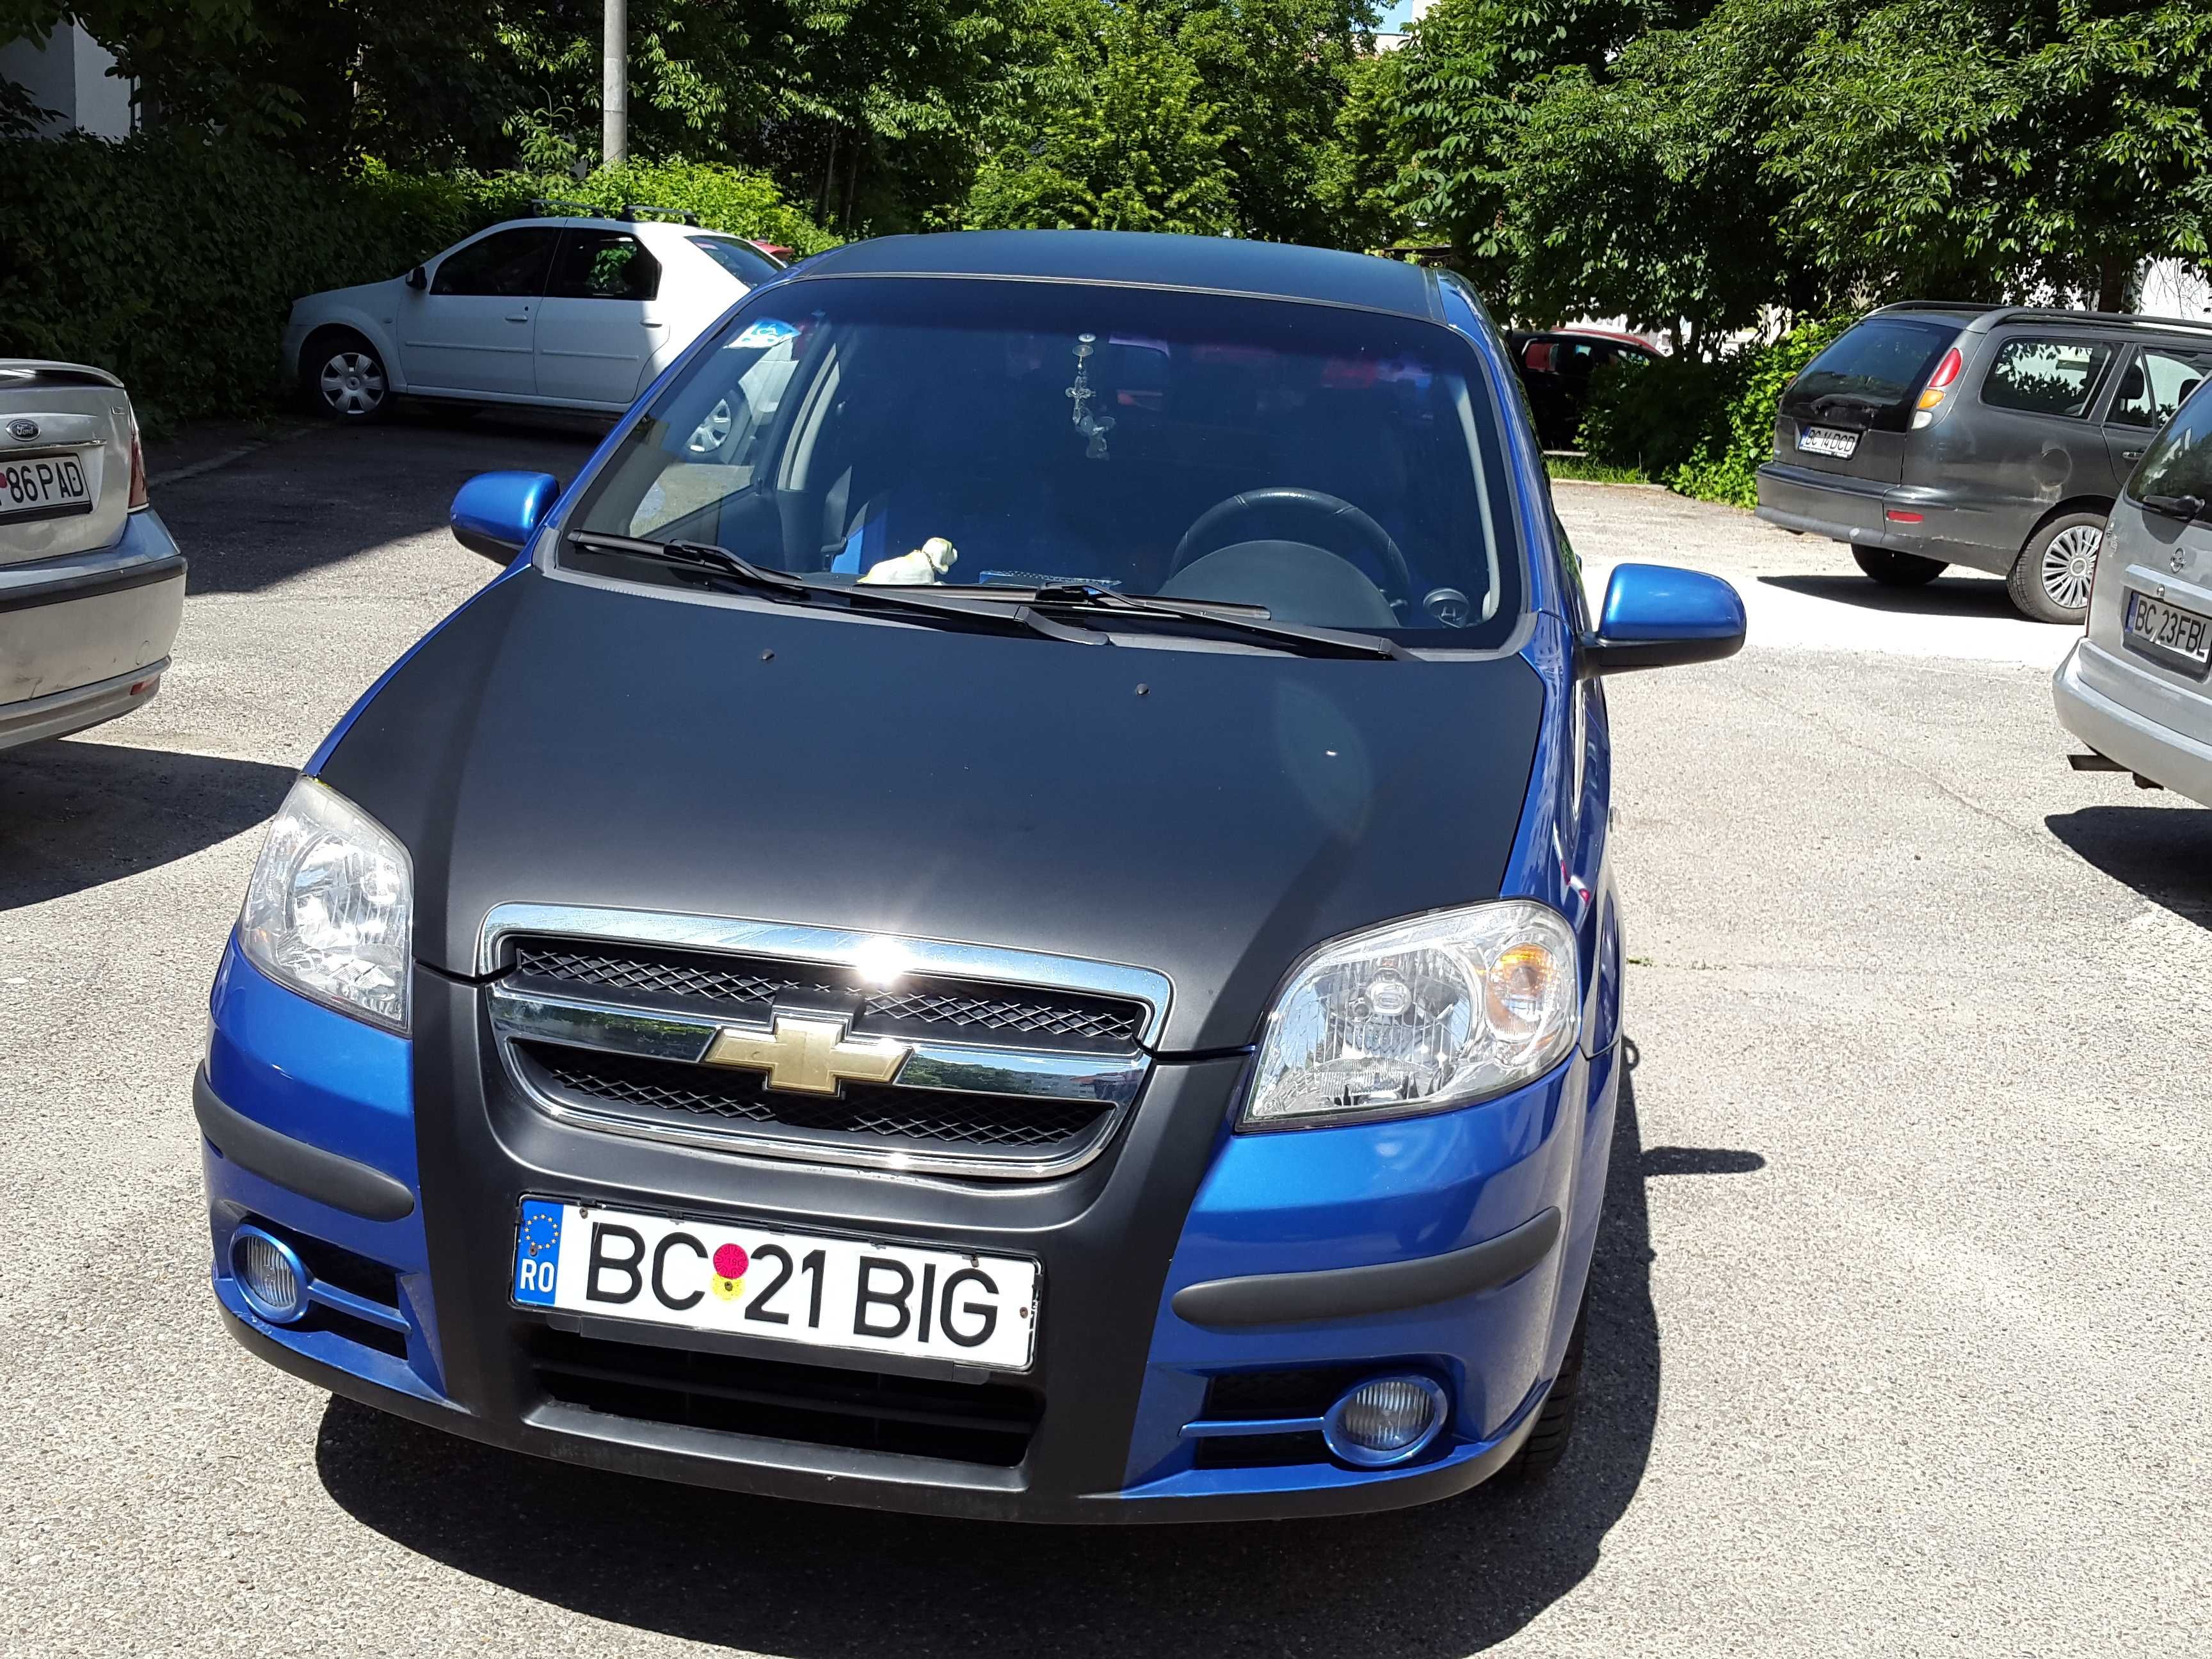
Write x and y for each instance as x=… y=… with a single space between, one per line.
x=1207 y=814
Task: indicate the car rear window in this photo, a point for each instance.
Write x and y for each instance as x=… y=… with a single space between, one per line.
x=2181 y=458
x=741 y=259
x=1867 y=379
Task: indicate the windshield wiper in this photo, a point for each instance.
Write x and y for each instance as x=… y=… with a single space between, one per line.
x=1237 y=618
x=783 y=584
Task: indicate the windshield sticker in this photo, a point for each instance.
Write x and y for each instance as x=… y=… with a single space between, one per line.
x=767 y=331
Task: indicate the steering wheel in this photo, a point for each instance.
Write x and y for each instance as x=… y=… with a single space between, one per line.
x=1204 y=533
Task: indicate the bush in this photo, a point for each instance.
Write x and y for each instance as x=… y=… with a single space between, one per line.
x=1651 y=415
x=173 y=260
x=1701 y=429
x=1724 y=467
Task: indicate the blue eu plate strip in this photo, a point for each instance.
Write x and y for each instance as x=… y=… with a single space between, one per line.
x=537 y=1252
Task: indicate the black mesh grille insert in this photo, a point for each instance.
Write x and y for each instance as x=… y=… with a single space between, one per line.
x=943 y=1118
x=970 y=1423
x=1258 y=1451
x=1259 y=1394
x=965 y=1010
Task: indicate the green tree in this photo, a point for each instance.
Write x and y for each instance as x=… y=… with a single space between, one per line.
x=2000 y=148
x=1277 y=72
x=1125 y=139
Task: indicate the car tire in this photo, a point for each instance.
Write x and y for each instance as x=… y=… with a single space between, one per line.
x=2050 y=581
x=343 y=378
x=1547 y=1443
x=1898 y=569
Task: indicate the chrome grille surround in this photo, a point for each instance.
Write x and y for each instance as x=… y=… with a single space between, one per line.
x=663 y=1018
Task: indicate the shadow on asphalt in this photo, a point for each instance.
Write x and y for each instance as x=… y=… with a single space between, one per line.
x=335 y=492
x=2163 y=852
x=825 y=1583
x=1947 y=596
x=77 y=815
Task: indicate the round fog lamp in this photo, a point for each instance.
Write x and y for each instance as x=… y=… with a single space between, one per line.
x=269 y=1275
x=1389 y=1421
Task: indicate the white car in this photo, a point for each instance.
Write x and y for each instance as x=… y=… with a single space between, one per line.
x=561 y=313
x=2135 y=687
x=91 y=587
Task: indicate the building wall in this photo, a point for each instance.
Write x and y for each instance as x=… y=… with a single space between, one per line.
x=2171 y=288
x=68 y=76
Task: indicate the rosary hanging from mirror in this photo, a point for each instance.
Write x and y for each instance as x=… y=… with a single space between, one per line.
x=1093 y=427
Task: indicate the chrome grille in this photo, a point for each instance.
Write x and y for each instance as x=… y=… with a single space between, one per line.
x=1024 y=1123
x=957 y=1011
x=769 y=1039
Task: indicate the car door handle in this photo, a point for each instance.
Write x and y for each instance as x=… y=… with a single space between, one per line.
x=649 y=323
x=522 y=319
x=2131 y=454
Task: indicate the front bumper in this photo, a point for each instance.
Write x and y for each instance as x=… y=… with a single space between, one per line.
x=2140 y=720
x=1149 y=1255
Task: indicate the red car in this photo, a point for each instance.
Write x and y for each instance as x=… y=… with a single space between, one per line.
x=1555 y=366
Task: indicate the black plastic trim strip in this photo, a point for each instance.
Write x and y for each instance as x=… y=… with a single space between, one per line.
x=1383 y=1287
x=310 y=1171
x=87 y=583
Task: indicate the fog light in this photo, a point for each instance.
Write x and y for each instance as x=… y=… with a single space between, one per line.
x=1389 y=1421
x=269 y=1275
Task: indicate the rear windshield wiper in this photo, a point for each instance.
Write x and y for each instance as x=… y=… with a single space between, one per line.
x=1242 y=619
x=783 y=584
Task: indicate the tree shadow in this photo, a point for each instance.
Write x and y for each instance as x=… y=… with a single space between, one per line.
x=2163 y=852
x=337 y=492
x=1975 y=595
x=77 y=815
x=797 y=1579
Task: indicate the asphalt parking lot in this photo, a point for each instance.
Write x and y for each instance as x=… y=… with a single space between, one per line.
x=1900 y=1342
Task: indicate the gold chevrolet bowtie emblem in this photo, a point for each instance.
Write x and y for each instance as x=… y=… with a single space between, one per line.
x=812 y=1056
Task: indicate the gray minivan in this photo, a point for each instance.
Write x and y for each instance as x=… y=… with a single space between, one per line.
x=1995 y=437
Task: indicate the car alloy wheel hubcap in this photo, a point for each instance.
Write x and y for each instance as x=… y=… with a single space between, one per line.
x=352 y=383
x=2069 y=566
x=715 y=431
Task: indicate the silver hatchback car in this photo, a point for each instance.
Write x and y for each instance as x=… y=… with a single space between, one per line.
x=91 y=585
x=2134 y=689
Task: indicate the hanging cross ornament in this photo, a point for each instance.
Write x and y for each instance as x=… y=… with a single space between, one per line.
x=1093 y=427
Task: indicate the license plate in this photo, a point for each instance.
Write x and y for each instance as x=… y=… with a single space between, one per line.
x=800 y=1288
x=44 y=487
x=2167 y=633
x=1827 y=440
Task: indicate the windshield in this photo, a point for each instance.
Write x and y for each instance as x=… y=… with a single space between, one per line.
x=1868 y=378
x=2180 y=461
x=1337 y=468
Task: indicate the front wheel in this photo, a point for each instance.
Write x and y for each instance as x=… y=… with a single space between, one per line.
x=345 y=379
x=1898 y=569
x=2051 y=580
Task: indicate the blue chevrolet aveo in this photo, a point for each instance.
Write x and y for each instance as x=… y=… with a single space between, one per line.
x=1005 y=911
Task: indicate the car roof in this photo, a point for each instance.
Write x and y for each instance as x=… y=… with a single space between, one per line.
x=1219 y=264
x=1982 y=316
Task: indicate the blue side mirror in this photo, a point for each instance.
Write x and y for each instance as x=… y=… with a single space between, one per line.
x=496 y=513
x=1656 y=617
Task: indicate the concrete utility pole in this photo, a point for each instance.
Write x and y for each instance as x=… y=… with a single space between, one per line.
x=614 y=93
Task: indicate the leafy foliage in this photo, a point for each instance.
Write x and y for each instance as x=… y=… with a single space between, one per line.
x=1127 y=141
x=1701 y=427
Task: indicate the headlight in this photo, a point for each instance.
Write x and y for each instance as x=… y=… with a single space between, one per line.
x=330 y=909
x=1419 y=1015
